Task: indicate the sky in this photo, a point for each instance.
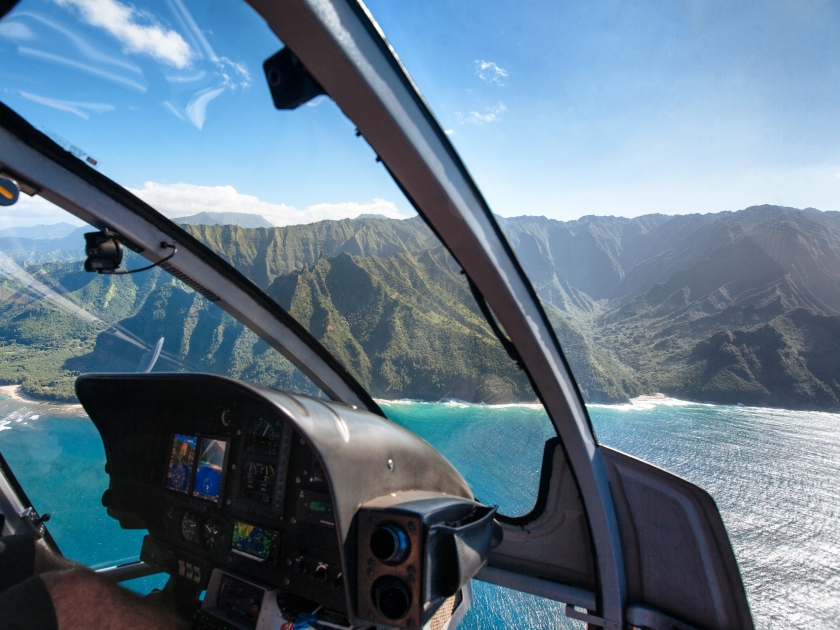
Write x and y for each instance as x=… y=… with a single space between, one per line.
x=562 y=109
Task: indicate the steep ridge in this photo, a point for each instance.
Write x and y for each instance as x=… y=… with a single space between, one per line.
x=263 y=254
x=405 y=325
x=727 y=307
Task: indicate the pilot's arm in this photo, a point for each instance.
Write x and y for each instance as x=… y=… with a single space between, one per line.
x=42 y=591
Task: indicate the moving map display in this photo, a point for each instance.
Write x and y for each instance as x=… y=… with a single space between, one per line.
x=251 y=541
x=209 y=475
x=181 y=462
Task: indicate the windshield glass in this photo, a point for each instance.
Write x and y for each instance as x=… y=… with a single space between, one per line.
x=169 y=100
x=292 y=199
x=58 y=321
x=667 y=175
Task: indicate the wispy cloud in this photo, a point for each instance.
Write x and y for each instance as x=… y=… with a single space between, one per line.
x=232 y=74
x=449 y=132
x=79 y=108
x=16 y=30
x=138 y=32
x=197 y=107
x=87 y=49
x=490 y=114
x=489 y=72
x=84 y=67
x=180 y=200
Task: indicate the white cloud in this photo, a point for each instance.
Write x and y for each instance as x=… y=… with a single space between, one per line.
x=490 y=114
x=449 y=132
x=489 y=72
x=16 y=30
x=35 y=211
x=123 y=22
x=180 y=200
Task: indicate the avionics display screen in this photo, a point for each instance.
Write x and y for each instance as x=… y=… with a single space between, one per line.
x=210 y=472
x=251 y=541
x=181 y=462
x=258 y=481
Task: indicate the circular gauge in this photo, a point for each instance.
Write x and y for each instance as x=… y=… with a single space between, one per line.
x=211 y=533
x=189 y=526
x=227 y=416
x=261 y=433
x=168 y=517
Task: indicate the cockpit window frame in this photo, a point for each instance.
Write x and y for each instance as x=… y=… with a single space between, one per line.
x=340 y=44
x=369 y=84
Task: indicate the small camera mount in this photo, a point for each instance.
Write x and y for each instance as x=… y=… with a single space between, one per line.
x=290 y=83
x=105 y=253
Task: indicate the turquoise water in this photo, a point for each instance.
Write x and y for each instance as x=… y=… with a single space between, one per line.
x=775 y=475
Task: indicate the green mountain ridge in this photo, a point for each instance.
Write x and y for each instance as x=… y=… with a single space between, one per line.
x=732 y=307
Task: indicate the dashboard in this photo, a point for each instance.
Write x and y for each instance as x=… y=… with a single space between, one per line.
x=249 y=496
x=277 y=506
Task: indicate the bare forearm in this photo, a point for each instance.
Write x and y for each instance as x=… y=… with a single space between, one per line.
x=46 y=560
x=84 y=601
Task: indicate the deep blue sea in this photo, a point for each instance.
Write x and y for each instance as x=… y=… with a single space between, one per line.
x=775 y=475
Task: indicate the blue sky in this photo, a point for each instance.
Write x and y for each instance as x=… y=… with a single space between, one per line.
x=558 y=108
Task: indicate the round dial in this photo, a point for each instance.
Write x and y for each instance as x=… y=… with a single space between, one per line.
x=262 y=432
x=189 y=526
x=211 y=533
x=168 y=517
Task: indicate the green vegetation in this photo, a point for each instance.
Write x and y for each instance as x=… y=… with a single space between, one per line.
x=735 y=307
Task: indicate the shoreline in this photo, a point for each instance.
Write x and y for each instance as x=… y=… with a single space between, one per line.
x=12 y=392
x=648 y=397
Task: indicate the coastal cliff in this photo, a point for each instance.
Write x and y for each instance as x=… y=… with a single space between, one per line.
x=731 y=307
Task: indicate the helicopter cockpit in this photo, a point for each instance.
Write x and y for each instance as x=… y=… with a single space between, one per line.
x=267 y=501
x=261 y=457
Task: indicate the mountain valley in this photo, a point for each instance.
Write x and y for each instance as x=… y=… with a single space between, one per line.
x=731 y=307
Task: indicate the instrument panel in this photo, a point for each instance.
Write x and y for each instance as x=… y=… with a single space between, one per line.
x=243 y=492
x=246 y=490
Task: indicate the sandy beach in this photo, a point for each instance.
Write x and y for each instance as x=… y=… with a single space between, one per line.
x=12 y=392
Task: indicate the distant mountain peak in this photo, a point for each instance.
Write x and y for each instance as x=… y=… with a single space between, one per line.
x=41 y=231
x=242 y=219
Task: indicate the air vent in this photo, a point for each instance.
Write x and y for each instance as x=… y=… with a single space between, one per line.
x=199 y=288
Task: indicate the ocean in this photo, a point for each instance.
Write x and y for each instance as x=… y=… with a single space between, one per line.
x=775 y=475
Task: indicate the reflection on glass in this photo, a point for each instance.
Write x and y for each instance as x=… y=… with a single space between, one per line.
x=210 y=471
x=180 y=463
